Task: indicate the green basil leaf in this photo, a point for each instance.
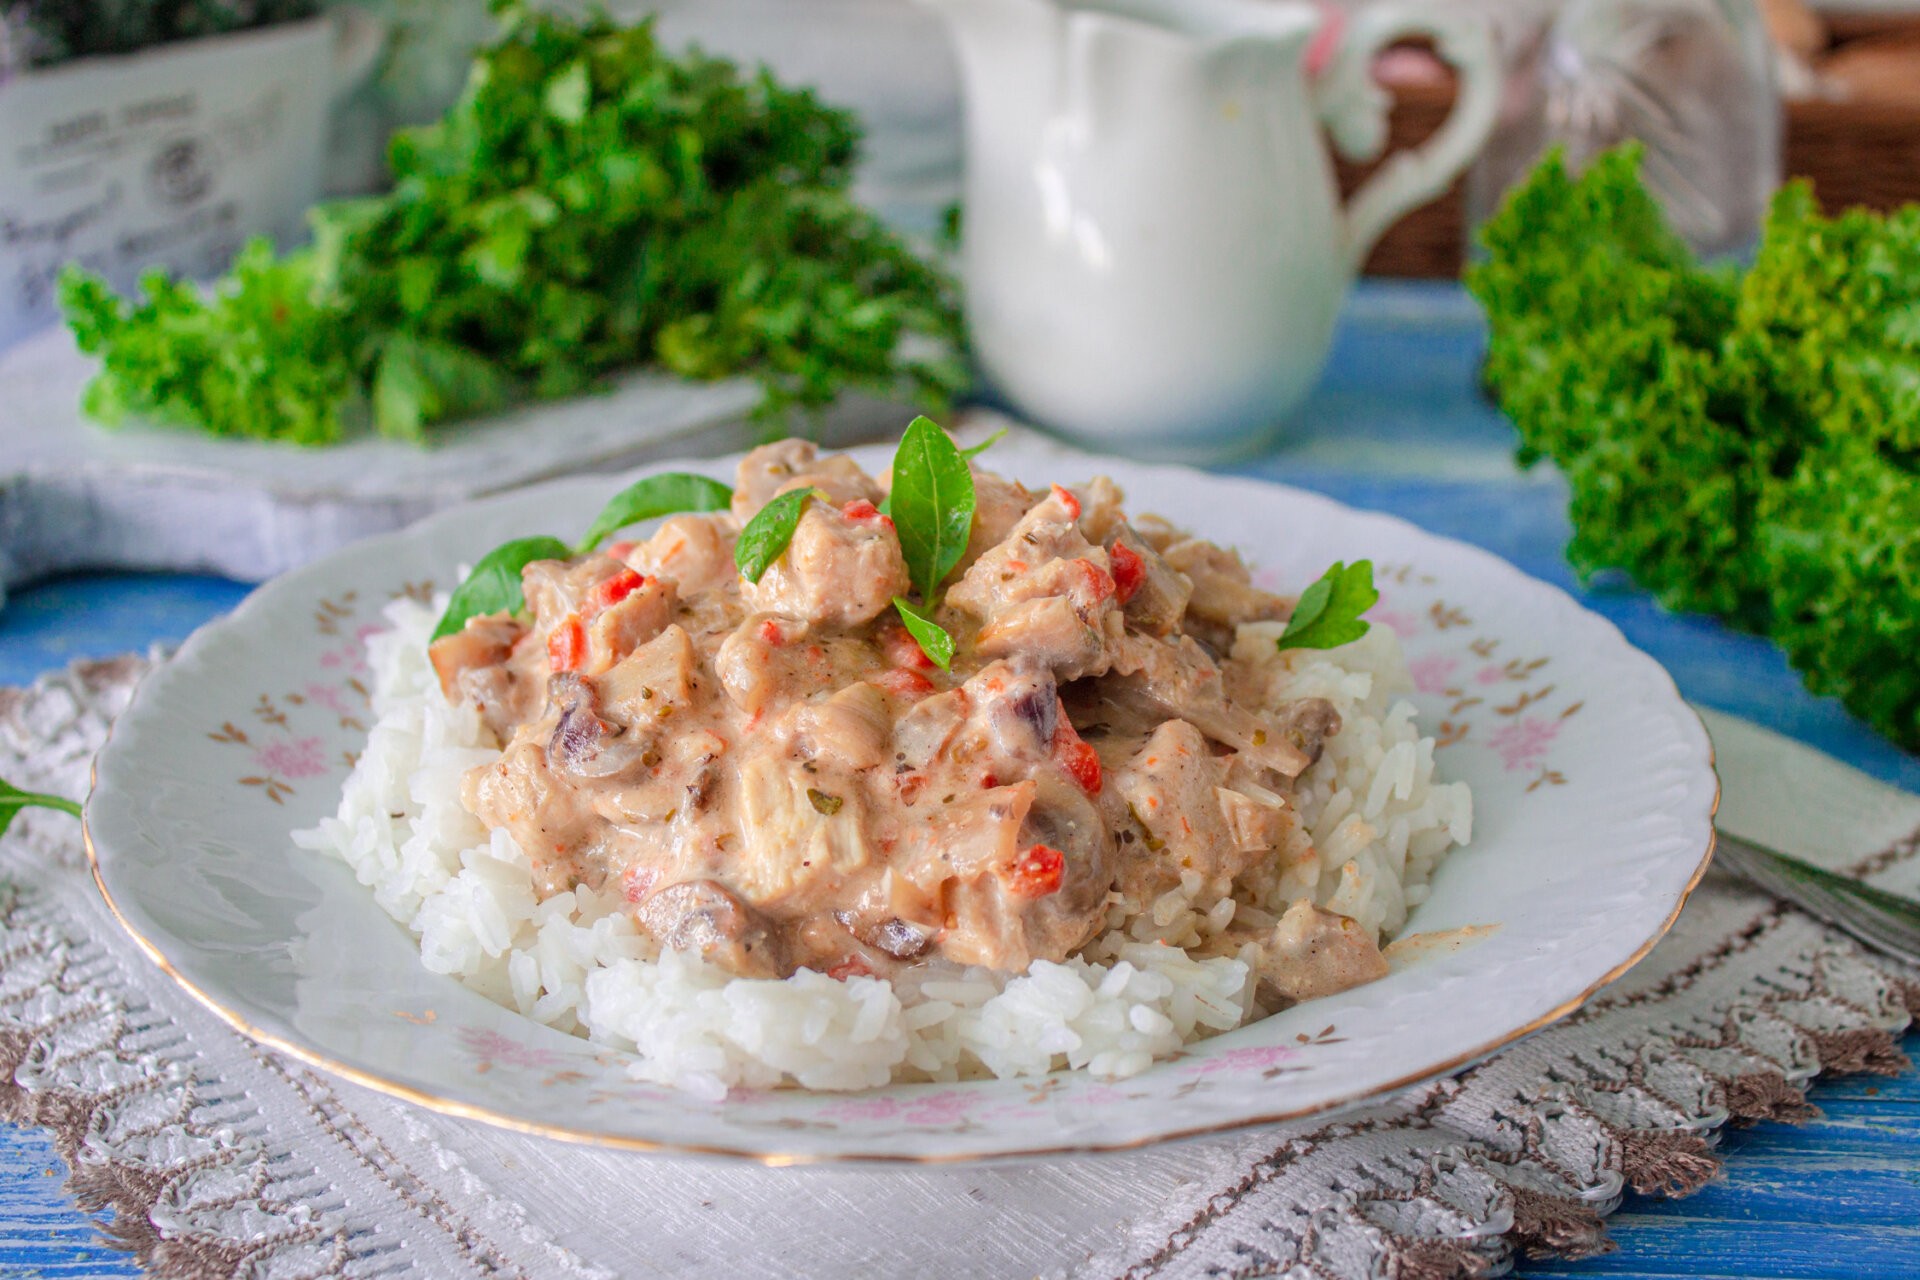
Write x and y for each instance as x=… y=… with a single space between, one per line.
x=931 y=504
x=494 y=584
x=13 y=800
x=983 y=446
x=1328 y=614
x=766 y=536
x=931 y=636
x=655 y=496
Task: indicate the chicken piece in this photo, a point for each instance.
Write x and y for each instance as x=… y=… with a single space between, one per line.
x=484 y=642
x=772 y=469
x=1045 y=593
x=850 y=730
x=1155 y=596
x=799 y=832
x=998 y=504
x=1173 y=787
x=1042 y=899
x=1049 y=630
x=617 y=629
x=1101 y=514
x=554 y=588
x=694 y=552
x=476 y=664
x=1012 y=570
x=701 y=916
x=1314 y=952
x=542 y=813
x=1177 y=678
x=964 y=837
x=765 y=658
x=1223 y=592
x=922 y=734
x=841 y=569
x=656 y=681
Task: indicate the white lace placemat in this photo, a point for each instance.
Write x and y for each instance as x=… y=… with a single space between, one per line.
x=220 y=1159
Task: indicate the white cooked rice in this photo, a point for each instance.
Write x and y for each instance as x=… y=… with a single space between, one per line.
x=1373 y=825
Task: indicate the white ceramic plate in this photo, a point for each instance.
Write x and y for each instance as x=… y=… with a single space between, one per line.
x=1594 y=796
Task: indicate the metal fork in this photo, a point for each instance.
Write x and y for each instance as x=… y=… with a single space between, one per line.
x=1884 y=921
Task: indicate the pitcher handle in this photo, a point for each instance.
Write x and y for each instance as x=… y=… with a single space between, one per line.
x=1355 y=111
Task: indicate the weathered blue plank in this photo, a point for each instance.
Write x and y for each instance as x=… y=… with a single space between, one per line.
x=42 y=1231
x=1835 y=1199
x=61 y=620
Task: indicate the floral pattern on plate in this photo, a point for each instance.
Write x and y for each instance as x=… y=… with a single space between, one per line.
x=1594 y=798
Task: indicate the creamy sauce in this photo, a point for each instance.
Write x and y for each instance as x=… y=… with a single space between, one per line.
x=775 y=776
x=1415 y=947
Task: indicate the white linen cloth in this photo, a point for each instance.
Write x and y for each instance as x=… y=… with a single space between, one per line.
x=220 y=1158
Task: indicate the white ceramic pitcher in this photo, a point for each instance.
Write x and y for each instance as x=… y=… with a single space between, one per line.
x=1154 y=247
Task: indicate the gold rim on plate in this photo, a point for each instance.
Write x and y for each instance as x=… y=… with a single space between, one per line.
x=787 y=1159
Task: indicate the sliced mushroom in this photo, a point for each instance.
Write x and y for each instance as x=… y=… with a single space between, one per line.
x=901 y=939
x=1307 y=723
x=1178 y=679
x=583 y=744
x=701 y=916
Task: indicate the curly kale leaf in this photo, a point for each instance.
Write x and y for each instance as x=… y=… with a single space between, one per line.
x=1841 y=541
x=261 y=356
x=1745 y=445
x=1830 y=337
x=1604 y=340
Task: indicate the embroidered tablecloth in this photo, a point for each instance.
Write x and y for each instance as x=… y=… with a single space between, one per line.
x=218 y=1158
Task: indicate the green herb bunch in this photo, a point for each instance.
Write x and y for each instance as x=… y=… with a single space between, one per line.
x=44 y=33
x=590 y=203
x=1744 y=444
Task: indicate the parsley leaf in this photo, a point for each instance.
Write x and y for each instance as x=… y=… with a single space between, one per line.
x=931 y=504
x=494 y=584
x=13 y=800
x=1328 y=613
x=592 y=202
x=766 y=536
x=930 y=635
x=261 y=357
x=648 y=499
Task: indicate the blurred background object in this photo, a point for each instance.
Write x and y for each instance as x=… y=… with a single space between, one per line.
x=886 y=60
x=36 y=34
x=1847 y=73
x=144 y=135
x=1153 y=251
x=1692 y=80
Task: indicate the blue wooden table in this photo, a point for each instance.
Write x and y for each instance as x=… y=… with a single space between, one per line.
x=1397 y=425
